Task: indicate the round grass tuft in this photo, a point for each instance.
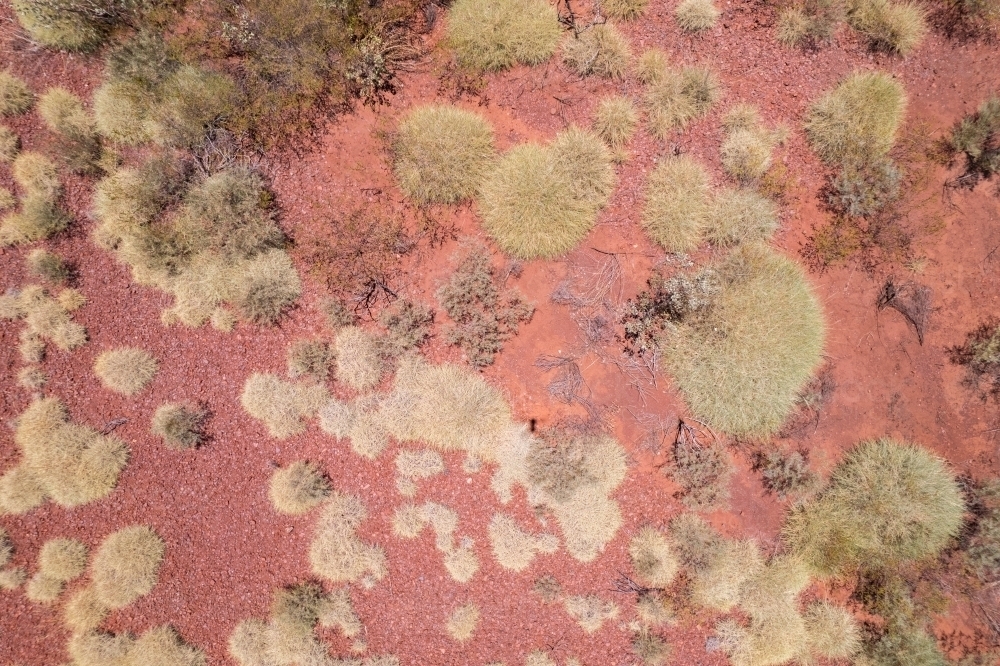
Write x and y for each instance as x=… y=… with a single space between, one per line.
x=491 y=36
x=696 y=15
x=126 y=370
x=677 y=97
x=62 y=559
x=746 y=154
x=299 y=487
x=896 y=27
x=600 y=51
x=540 y=201
x=615 y=120
x=127 y=566
x=677 y=203
x=15 y=95
x=441 y=153
x=10 y=145
x=625 y=10
x=741 y=216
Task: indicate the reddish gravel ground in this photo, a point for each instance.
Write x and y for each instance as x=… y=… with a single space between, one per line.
x=227 y=549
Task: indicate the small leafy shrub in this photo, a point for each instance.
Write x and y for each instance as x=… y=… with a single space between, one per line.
x=784 y=474
x=857 y=121
x=15 y=95
x=665 y=302
x=980 y=354
x=696 y=15
x=810 y=24
x=485 y=316
x=540 y=201
x=977 y=136
x=674 y=98
x=886 y=502
x=677 y=203
x=864 y=190
x=180 y=426
x=10 y=144
x=602 y=50
x=741 y=216
x=625 y=10
x=408 y=324
x=126 y=370
x=441 y=153
x=496 y=35
x=48 y=266
x=310 y=358
x=78 y=144
x=896 y=27
x=702 y=471
x=614 y=121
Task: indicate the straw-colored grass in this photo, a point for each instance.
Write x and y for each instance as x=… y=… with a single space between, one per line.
x=652 y=66
x=741 y=365
x=624 y=10
x=857 y=121
x=719 y=585
x=78 y=144
x=43 y=590
x=408 y=521
x=309 y=358
x=298 y=488
x=831 y=631
x=32 y=378
x=363 y=421
x=72 y=464
x=12 y=578
x=162 y=646
x=126 y=566
x=492 y=36
x=248 y=643
x=180 y=426
x=590 y=611
x=412 y=466
x=84 y=612
x=615 y=120
x=741 y=216
x=653 y=650
x=462 y=622
x=36 y=174
x=47 y=266
x=15 y=95
x=6 y=548
x=655 y=609
x=47 y=318
x=337 y=610
x=97 y=648
x=675 y=98
x=336 y=553
x=7 y=199
x=602 y=50
x=66 y=25
x=540 y=201
x=360 y=361
x=444 y=522
x=442 y=153
x=20 y=491
x=774 y=587
x=514 y=548
x=896 y=27
x=62 y=559
x=653 y=558
x=10 y=146
x=886 y=502
x=746 y=154
x=677 y=204
x=696 y=15
x=461 y=562
x=38 y=219
x=126 y=370
x=775 y=641
x=191 y=100
x=121 y=113
x=281 y=405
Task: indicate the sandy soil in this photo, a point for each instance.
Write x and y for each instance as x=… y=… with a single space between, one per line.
x=227 y=549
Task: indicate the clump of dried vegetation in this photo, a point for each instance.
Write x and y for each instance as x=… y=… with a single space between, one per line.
x=696 y=15
x=675 y=97
x=47 y=319
x=701 y=469
x=181 y=426
x=600 y=50
x=280 y=404
x=498 y=35
x=677 y=203
x=126 y=370
x=336 y=553
x=894 y=27
x=39 y=216
x=977 y=138
x=615 y=120
x=299 y=487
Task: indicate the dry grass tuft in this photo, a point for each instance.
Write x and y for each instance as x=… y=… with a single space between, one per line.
x=43 y=590
x=831 y=631
x=408 y=521
x=97 y=648
x=615 y=120
x=720 y=583
x=674 y=98
x=6 y=548
x=496 y=35
x=514 y=548
x=20 y=491
x=309 y=358
x=7 y=199
x=360 y=361
x=857 y=121
x=84 y=612
x=299 y=487
x=461 y=562
x=78 y=144
x=896 y=27
x=62 y=559
x=442 y=153
x=126 y=370
x=539 y=658
x=696 y=15
x=655 y=609
x=777 y=640
x=36 y=175
x=602 y=50
x=336 y=553
x=462 y=622
x=162 y=646
x=741 y=216
x=31 y=378
x=12 y=578
x=47 y=318
x=746 y=154
x=337 y=610
x=540 y=201
x=590 y=612
x=362 y=421
x=47 y=266
x=625 y=10
x=281 y=405
x=653 y=558
x=15 y=95
x=677 y=203
x=652 y=66
x=180 y=426
x=10 y=146
x=127 y=566
x=886 y=502
x=649 y=647
x=415 y=465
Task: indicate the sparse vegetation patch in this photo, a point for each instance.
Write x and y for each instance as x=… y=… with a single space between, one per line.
x=181 y=426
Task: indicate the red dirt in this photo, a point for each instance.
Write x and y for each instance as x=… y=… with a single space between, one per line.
x=227 y=549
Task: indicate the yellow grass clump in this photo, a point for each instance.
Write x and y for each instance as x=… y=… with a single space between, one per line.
x=831 y=631
x=653 y=558
x=7 y=199
x=36 y=174
x=337 y=610
x=496 y=35
x=10 y=146
x=675 y=97
x=39 y=217
x=32 y=378
x=97 y=648
x=741 y=216
x=47 y=265
x=460 y=560
x=162 y=646
x=127 y=566
x=412 y=466
x=12 y=578
x=857 y=121
x=62 y=559
x=719 y=585
x=47 y=318
x=896 y=27
x=299 y=487
x=770 y=642
x=590 y=611
x=614 y=121
x=15 y=95
x=20 y=491
x=336 y=553
x=360 y=360
x=43 y=590
x=180 y=426
x=308 y=358
x=515 y=548
x=408 y=521
x=78 y=144
x=442 y=153
x=84 y=612
x=462 y=622
x=742 y=365
x=696 y=15
x=126 y=370
x=601 y=50
x=280 y=404
x=677 y=203
x=746 y=151
x=363 y=421
x=540 y=201
x=652 y=66
x=625 y=10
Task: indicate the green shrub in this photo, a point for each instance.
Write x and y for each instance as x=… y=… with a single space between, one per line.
x=540 y=201
x=15 y=95
x=180 y=426
x=676 y=97
x=677 y=203
x=78 y=145
x=895 y=27
x=696 y=15
x=602 y=50
x=73 y=25
x=48 y=266
x=614 y=121
x=863 y=190
x=978 y=137
x=496 y=35
x=741 y=365
x=666 y=302
x=441 y=153
x=625 y=10
x=408 y=324
x=484 y=316
x=702 y=471
x=886 y=502
x=857 y=121
x=741 y=216
x=10 y=144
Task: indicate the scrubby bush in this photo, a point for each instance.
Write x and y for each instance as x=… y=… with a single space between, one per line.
x=15 y=95
x=863 y=190
x=677 y=203
x=886 y=502
x=309 y=358
x=676 y=97
x=980 y=354
x=702 y=471
x=784 y=474
x=982 y=550
x=441 y=153
x=299 y=487
x=653 y=558
x=614 y=121
x=408 y=325
x=977 y=136
x=682 y=297
x=78 y=144
x=48 y=266
x=191 y=101
x=496 y=35
x=625 y=10
x=741 y=216
x=857 y=121
x=484 y=317
x=540 y=201
x=180 y=426
x=696 y=15
x=601 y=50
x=897 y=27
x=10 y=145
x=126 y=370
